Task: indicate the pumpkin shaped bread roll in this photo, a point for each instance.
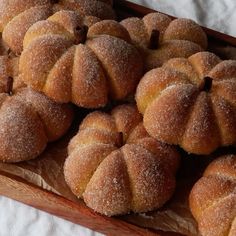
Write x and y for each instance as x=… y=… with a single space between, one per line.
x=69 y=64
x=213 y=198
x=160 y=38
x=28 y=119
x=116 y=167
x=191 y=102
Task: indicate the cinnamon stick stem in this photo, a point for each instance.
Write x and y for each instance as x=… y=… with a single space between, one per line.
x=9 y=85
x=154 y=39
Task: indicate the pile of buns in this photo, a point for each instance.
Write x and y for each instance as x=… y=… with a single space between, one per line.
x=172 y=93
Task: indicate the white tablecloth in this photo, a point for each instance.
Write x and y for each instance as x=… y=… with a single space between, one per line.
x=17 y=219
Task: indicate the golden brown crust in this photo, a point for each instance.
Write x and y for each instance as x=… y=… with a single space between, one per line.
x=186 y=29
x=213 y=198
x=14 y=32
x=102 y=63
x=99 y=8
x=168 y=50
x=16 y=17
x=177 y=38
x=138 y=177
x=190 y=102
x=109 y=27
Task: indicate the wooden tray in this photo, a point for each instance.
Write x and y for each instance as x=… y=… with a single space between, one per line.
x=20 y=190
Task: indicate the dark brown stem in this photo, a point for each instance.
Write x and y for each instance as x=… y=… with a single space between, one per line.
x=54 y=1
x=154 y=39
x=9 y=85
x=207 y=84
x=120 y=139
x=81 y=34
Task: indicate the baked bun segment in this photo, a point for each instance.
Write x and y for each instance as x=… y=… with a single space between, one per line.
x=17 y=16
x=191 y=102
x=160 y=38
x=71 y=63
x=116 y=167
x=213 y=198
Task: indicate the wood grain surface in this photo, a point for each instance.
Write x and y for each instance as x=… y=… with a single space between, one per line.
x=15 y=188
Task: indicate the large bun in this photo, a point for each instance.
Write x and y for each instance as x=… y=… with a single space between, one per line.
x=116 y=167
x=191 y=102
x=59 y=61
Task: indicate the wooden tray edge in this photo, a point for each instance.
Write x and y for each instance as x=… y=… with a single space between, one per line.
x=140 y=11
x=16 y=188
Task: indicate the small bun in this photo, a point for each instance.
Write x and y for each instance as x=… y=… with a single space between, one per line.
x=160 y=39
x=213 y=198
x=17 y=16
x=28 y=119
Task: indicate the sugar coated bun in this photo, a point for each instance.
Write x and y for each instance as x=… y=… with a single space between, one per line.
x=67 y=63
x=16 y=16
x=116 y=167
x=213 y=198
x=160 y=38
x=191 y=102
x=28 y=119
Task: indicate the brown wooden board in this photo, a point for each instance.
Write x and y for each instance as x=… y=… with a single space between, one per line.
x=76 y=212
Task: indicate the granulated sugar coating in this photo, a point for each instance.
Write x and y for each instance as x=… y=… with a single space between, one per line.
x=98 y=8
x=28 y=121
x=101 y=63
x=116 y=167
x=213 y=198
x=160 y=39
x=190 y=102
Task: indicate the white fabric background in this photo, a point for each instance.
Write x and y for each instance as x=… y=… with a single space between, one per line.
x=17 y=219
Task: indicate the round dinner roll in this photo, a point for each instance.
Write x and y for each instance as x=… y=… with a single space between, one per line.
x=71 y=63
x=116 y=167
x=160 y=38
x=191 y=102
x=213 y=198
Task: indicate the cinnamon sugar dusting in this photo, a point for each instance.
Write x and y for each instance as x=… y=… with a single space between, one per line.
x=28 y=121
x=218 y=189
x=103 y=63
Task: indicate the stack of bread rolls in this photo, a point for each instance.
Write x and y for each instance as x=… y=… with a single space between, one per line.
x=125 y=159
